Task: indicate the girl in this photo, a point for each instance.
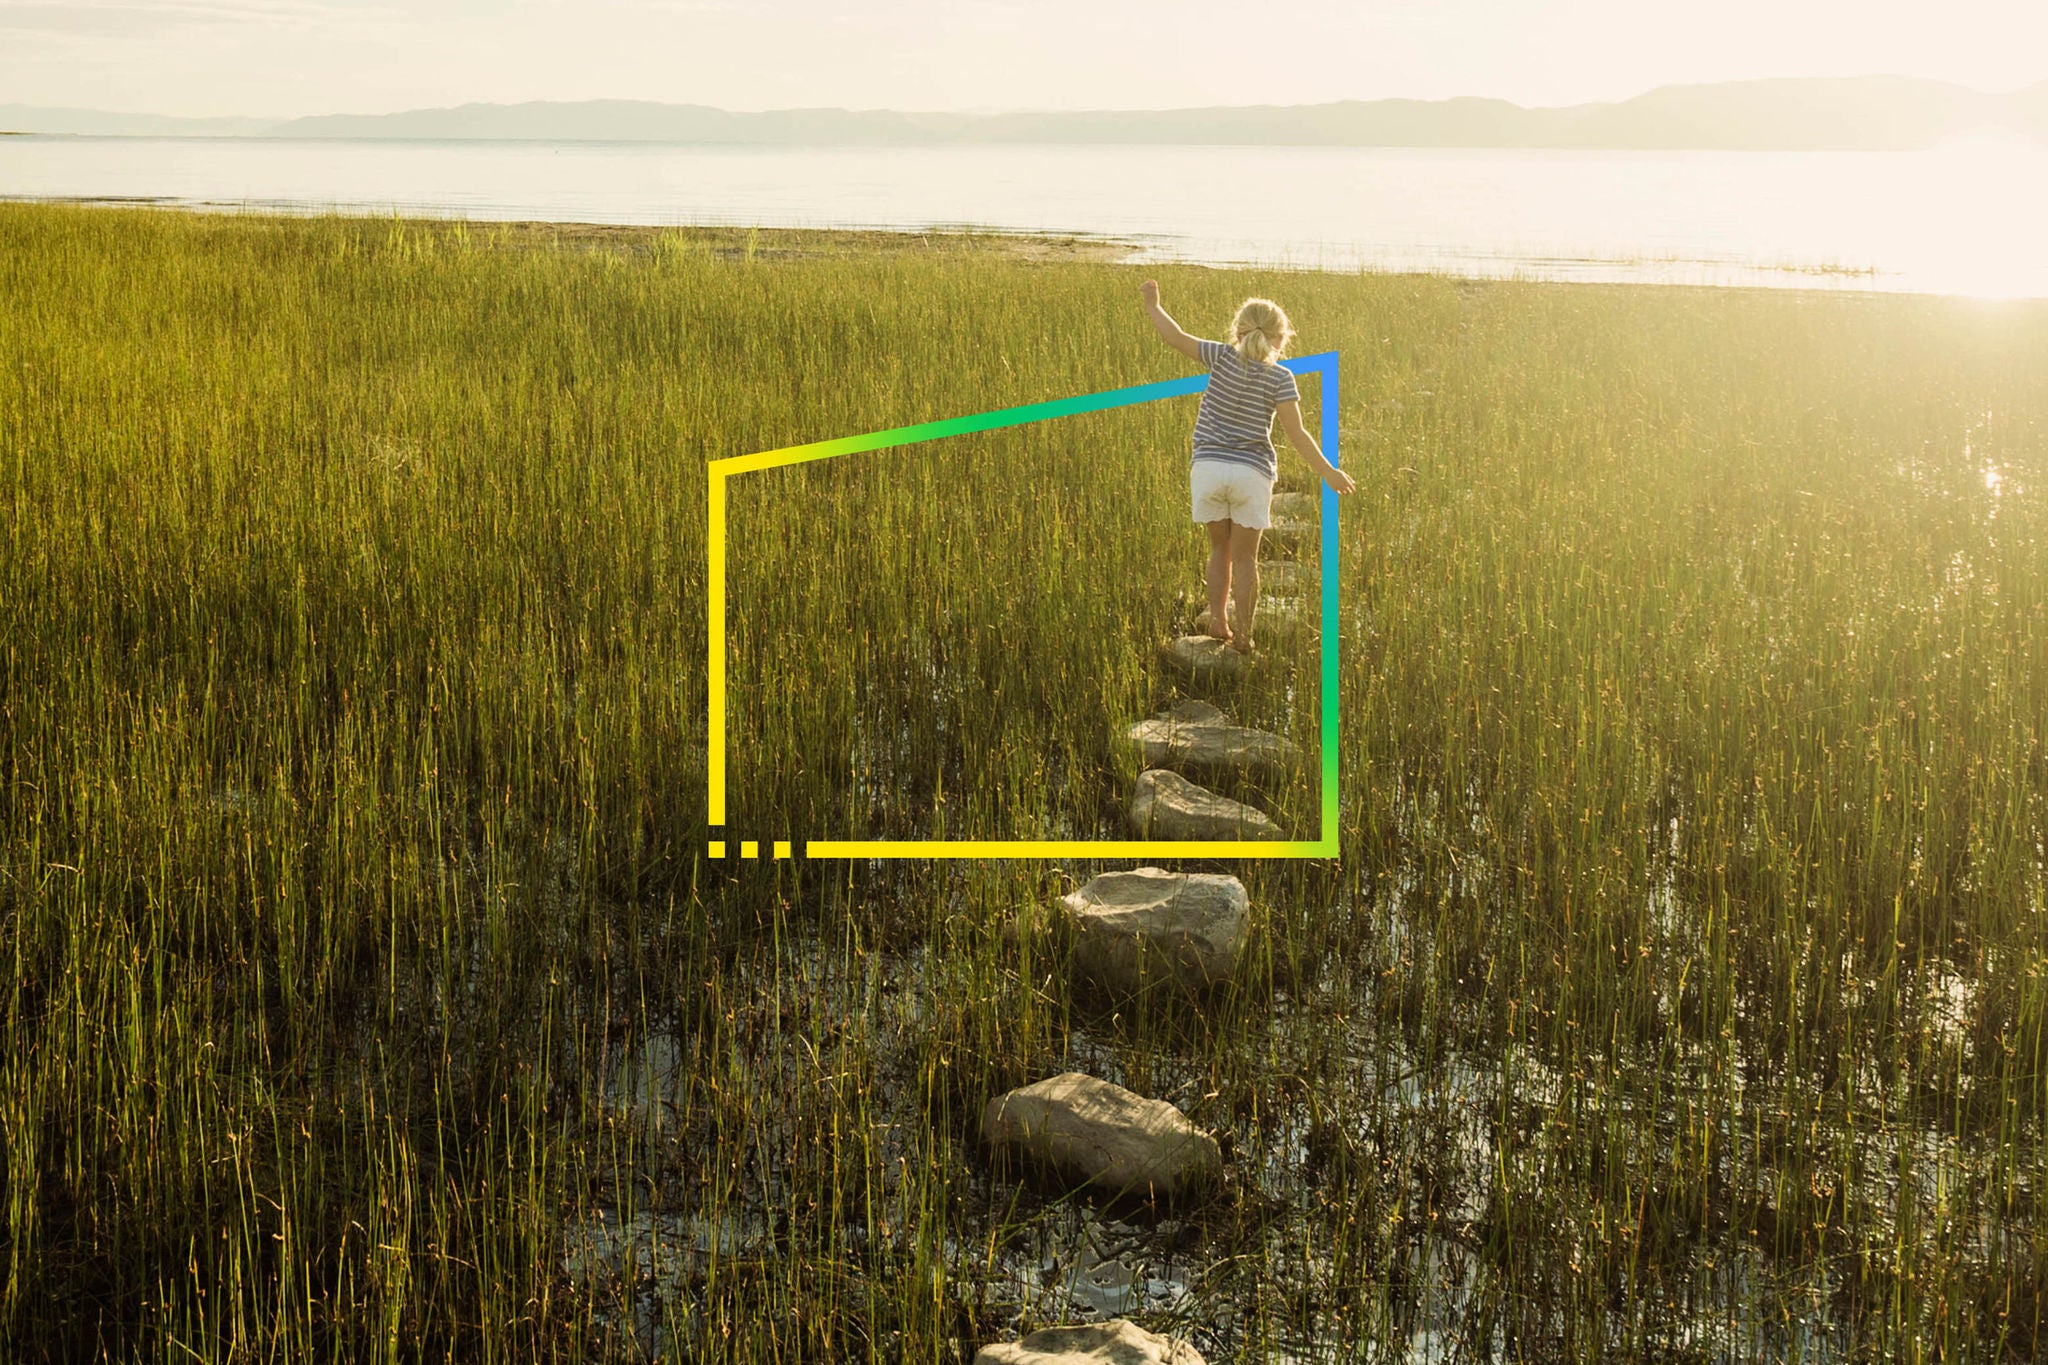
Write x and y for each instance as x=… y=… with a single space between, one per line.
x=1234 y=466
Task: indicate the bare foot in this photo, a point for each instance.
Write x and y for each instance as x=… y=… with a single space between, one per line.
x=1241 y=643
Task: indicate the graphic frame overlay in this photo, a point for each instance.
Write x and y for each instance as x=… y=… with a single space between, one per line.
x=1323 y=366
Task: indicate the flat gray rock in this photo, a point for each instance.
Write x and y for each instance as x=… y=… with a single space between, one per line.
x=1197 y=739
x=1131 y=928
x=1101 y=1135
x=1166 y=805
x=1116 y=1342
x=1205 y=659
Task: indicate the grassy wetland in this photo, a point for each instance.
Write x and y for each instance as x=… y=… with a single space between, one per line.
x=1681 y=993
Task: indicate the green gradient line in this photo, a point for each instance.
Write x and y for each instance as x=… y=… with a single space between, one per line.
x=962 y=426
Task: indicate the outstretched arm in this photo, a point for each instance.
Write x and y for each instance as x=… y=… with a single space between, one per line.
x=1289 y=414
x=1168 y=329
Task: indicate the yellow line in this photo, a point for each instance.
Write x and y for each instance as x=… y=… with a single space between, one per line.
x=774 y=459
x=1059 y=848
x=715 y=585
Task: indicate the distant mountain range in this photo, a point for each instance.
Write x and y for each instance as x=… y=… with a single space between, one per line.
x=24 y=118
x=1864 y=113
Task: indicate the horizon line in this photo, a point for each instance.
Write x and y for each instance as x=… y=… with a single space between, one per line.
x=1041 y=110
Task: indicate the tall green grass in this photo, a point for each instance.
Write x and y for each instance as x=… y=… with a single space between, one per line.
x=1679 y=995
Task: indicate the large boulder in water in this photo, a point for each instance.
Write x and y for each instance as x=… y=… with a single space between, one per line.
x=1194 y=737
x=1116 y=1342
x=1131 y=928
x=1166 y=805
x=1089 y=1132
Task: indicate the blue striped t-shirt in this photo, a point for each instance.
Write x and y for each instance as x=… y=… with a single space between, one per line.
x=1236 y=420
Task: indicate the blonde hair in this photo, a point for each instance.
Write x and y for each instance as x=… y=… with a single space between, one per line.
x=1260 y=332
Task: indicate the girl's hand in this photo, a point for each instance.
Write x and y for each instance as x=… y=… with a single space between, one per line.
x=1169 y=330
x=1337 y=479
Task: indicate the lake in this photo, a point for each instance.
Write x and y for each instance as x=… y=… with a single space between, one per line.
x=1963 y=218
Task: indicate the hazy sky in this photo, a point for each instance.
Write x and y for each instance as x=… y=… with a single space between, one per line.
x=370 y=56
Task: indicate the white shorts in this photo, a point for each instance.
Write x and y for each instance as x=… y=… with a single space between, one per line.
x=1224 y=489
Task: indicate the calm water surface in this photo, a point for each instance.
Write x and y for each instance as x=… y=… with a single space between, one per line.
x=1966 y=218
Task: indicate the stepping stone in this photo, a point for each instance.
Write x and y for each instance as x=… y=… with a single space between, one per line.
x=1205 y=659
x=1166 y=805
x=1288 y=541
x=1298 y=506
x=1093 y=1133
x=1287 y=577
x=1152 y=925
x=1194 y=737
x=1276 y=616
x=1116 y=1342
x=1297 y=521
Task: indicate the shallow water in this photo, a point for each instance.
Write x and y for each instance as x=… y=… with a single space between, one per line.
x=1230 y=1279
x=1962 y=218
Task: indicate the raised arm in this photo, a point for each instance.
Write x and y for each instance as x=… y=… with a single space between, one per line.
x=1169 y=330
x=1289 y=414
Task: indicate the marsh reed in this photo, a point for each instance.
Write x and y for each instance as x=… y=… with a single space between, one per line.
x=1680 y=994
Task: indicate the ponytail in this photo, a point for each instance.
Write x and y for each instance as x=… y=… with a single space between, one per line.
x=1262 y=332
x=1253 y=348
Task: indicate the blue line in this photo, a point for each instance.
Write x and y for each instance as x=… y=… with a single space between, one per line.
x=1326 y=365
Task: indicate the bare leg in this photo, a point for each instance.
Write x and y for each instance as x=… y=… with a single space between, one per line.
x=1244 y=580
x=1219 y=577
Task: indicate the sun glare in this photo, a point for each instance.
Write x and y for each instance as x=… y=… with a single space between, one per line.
x=1976 y=230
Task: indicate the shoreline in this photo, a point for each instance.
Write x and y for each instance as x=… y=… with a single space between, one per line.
x=731 y=240
x=782 y=243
